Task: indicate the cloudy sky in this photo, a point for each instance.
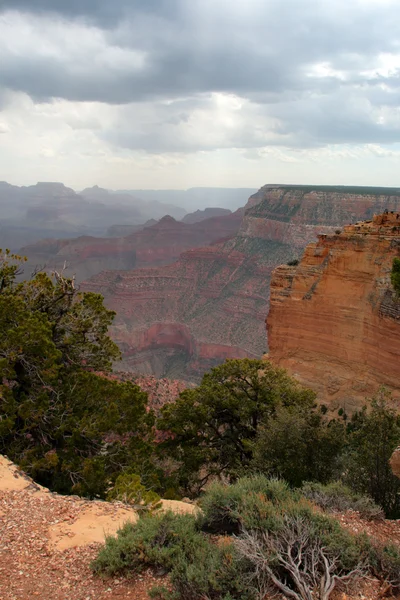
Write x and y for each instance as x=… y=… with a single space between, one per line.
x=181 y=93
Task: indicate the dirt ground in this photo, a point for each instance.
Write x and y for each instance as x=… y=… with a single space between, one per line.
x=47 y=543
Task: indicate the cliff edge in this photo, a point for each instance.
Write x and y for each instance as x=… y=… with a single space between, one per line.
x=334 y=319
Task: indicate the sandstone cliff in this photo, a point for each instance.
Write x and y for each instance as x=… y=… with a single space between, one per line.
x=211 y=304
x=334 y=319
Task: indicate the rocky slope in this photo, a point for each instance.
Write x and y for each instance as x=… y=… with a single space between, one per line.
x=211 y=304
x=334 y=320
x=158 y=244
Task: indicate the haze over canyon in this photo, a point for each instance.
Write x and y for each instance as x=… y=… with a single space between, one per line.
x=190 y=293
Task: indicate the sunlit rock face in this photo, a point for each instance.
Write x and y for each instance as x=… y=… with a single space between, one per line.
x=334 y=320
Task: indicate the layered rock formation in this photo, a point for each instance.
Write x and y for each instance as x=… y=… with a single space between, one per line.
x=158 y=244
x=334 y=320
x=182 y=319
x=215 y=299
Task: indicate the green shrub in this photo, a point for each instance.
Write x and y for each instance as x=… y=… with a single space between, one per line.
x=338 y=497
x=385 y=562
x=299 y=445
x=395 y=275
x=155 y=540
x=307 y=553
x=129 y=489
x=198 y=568
x=282 y=545
x=223 y=505
x=373 y=434
x=293 y=263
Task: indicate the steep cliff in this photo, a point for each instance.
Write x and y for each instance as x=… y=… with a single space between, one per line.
x=216 y=298
x=334 y=319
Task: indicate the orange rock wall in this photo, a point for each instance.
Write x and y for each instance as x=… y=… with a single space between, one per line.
x=334 y=321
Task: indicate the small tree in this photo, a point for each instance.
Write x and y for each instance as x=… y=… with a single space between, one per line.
x=395 y=275
x=373 y=435
x=212 y=427
x=69 y=428
x=299 y=444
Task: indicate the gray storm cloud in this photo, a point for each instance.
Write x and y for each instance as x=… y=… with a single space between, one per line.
x=309 y=72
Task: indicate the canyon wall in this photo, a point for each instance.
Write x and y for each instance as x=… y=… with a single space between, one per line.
x=158 y=244
x=216 y=298
x=334 y=319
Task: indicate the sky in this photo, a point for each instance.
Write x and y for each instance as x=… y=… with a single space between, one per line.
x=158 y=94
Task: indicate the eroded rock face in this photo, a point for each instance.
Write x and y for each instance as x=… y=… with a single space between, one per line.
x=220 y=293
x=334 y=319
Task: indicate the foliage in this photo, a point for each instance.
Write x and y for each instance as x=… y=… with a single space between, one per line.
x=336 y=496
x=129 y=489
x=281 y=545
x=212 y=427
x=372 y=437
x=223 y=505
x=69 y=428
x=291 y=548
x=386 y=565
x=299 y=444
x=304 y=558
x=395 y=275
x=198 y=568
x=293 y=263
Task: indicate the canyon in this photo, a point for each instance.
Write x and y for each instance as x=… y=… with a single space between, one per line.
x=157 y=244
x=334 y=319
x=181 y=319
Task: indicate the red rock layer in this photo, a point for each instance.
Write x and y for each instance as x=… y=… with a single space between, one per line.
x=159 y=244
x=334 y=320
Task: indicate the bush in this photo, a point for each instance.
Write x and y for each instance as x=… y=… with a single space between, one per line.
x=293 y=263
x=385 y=562
x=129 y=489
x=299 y=445
x=306 y=554
x=373 y=435
x=198 y=568
x=281 y=545
x=338 y=497
x=223 y=505
x=395 y=275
